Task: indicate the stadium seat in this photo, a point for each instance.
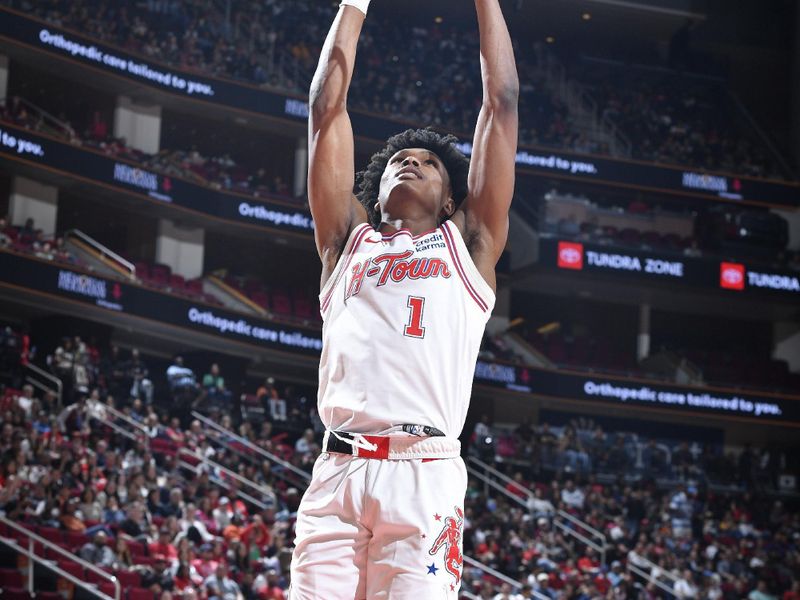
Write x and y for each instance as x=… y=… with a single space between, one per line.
x=109 y=589
x=129 y=578
x=76 y=540
x=72 y=568
x=140 y=594
x=15 y=593
x=96 y=578
x=177 y=282
x=136 y=548
x=12 y=578
x=52 y=534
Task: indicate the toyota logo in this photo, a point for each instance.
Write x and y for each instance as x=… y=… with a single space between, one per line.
x=732 y=276
x=570 y=255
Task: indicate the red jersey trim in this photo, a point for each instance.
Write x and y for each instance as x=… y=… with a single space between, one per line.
x=451 y=247
x=348 y=257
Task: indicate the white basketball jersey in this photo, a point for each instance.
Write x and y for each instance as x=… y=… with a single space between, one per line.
x=403 y=320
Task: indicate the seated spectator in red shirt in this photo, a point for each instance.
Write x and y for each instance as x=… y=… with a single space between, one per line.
x=588 y=563
x=182 y=578
x=163 y=545
x=519 y=487
x=267 y=586
x=206 y=564
x=256 y=533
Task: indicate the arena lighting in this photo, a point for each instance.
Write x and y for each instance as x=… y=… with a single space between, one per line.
x=549 y=328
x=549 y=39
x=586 y=16
x=514 y=322
x=438 y=19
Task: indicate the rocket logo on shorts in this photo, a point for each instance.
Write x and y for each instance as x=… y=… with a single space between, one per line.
x=450 y=540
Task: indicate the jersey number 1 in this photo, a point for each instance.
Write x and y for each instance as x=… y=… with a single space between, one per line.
x=414 y=328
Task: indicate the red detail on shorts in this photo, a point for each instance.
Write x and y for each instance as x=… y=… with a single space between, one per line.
x=429 y=459
x=382 y=450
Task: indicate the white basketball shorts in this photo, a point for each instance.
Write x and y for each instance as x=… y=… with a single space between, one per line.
x=369 y=529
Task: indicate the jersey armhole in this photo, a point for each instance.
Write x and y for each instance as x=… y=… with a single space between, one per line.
x=356 y=236
x=476 y=285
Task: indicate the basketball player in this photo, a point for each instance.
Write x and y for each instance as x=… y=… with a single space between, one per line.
x=408 y=283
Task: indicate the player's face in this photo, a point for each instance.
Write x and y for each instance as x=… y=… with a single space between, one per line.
x=415 y=179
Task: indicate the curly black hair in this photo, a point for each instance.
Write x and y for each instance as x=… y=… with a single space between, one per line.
x=444 y=146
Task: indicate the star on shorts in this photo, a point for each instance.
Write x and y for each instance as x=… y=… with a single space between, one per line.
x=432 y=569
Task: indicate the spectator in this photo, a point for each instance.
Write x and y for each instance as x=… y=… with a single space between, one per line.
x=306 y=446
x=26 y=400
x=761 y=592
x=214 y=385
x=180 y=377
x=90 y=507
x=221 y=586
x=141 y=386
x=572 y=496
x=97 y=551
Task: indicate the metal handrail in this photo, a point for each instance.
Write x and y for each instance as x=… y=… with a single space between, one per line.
x=583 y=525
x=49 y=377
x=33 y=537
x=637 y=570
x=761 y=134
x=652 y=565
x=498 y=575
x=503 y=477
x=114 y=425
x=650 y=579
x=581 y=538
x=245 y=442
x=490 y=482
x=219 y=483
x=66 y=127
x=104 y=251
x=244 y=480
x=33 y=557
x=117 y=414
x=598 y=547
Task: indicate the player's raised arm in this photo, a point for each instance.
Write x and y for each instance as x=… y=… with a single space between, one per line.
x=491 y=175
x=331 y=171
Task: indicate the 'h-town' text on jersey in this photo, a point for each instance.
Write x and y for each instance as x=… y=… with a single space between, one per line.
x=403 y=320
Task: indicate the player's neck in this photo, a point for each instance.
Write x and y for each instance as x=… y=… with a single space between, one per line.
x=413 y=226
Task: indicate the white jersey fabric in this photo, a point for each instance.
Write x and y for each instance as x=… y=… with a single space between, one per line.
x=403 y=320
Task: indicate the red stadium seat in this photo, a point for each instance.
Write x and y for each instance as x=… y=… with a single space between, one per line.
x=11 y=578
x=96 y=578
x=109 y=589
x=129 y=578
x=76 y=540
x=136 y=548
x=72 y=568
x=15 y=593
x=140 y=594
x=177 y=282
x=52 y=534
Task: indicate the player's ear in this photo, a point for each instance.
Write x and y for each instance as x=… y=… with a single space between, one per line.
x=447 y=210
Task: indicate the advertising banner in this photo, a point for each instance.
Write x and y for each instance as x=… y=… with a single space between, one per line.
x=71 y=159
x=644 y=266
x=612 y=390
x=71 y=283
x=68 y=45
